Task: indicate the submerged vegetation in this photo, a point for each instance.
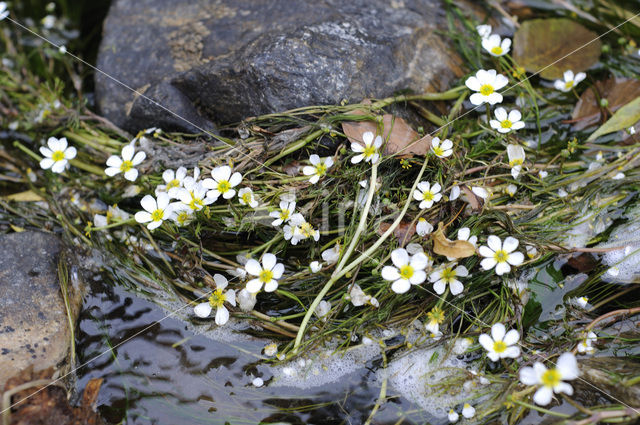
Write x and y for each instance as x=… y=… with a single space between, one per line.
x=479 y=212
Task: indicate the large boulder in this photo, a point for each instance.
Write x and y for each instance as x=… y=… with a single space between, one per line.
x=34 y=325
x=223 y=60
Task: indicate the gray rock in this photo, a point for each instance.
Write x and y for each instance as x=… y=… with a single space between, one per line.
x=224 y=60
x=34 y=327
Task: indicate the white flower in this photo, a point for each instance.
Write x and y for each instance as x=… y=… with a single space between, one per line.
x=454 y=192
x=271 y=350
x=542 y=174
x=441 y=150
x=182 y=214
x=499 y=255
x=582 y=302
x=434 y=318
x=486 y=84
x=217 y=300
x=480 y=192
x=331 y=255
x=500 y=344
x=423 y=227
x=246 y=197
x=368 y=152
x=407 y=271
x=453 y=416
x=516 y=159
x=315 y=266
x=551 y=380
x=292 y=231
x=484 y=31
x=464 y=234
x=569 y=81
x=586 y=345
x=222 y=183
x=532 y=251
x=359 y=298
x=506 y=123
x=447 y=275
x=318 y=167
x=414 y=248
x=562 y=193
x=246 y=300
x=304 y=230
x=323 y=309
x=195 y=197
x=285 y=213
x=126 y=164
x=48 y=21
x=427 y=194
x=495 y=46
x=511 y=189
x=618 y=176
x=173 y=181
x=468 y=411
x=57 y=155
x=267 y=274
x=155 y=211
x=3 y=10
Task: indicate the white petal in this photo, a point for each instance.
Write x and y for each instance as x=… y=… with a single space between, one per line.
x=515 y=115
x=221 y=173
x=477 y=99
x=418 y=277
x=271 y=286
x=127 y=152
x=367 y=138
x=308 y=170
x=568 y=366
x=253 y=268
x=515 y=258
x=131 y=175
x=114 y=161
x=390 y=273
x=456 y=287
x=269 y=261
x=568 y=75
x=222 y=316
x=439 y=287
x=254 y=285
x=143 y=217
x=400 y=286
x=419 y=261
x=154 y=225
x=528 y=376
x=59 y=166
x=493 y=356
x=235 y=179
x=494 y=98
x=501 y=114
x=463 y=233
x=231 y=297
x=473 y=83
x=512 y=352
x=278 y=270
x=46 y=163
x=461 y=271
x=447 y=144
x=497 y=331
x=494 y=243
x=220 y=280
x=400 y=257
x=502 y=268
x=70 y=153
x=563 y=387
x=356 y=159
x=314 y=159
x=488 y=263
x=485 y=251
x=543 y=396
x=510 y=244
x=511 y=337
x=202 y=310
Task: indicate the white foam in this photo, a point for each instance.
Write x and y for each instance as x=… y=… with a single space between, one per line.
x=624 y=263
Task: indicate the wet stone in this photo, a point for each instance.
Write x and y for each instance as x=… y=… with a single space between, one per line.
x=226 y=60
x=34 y=328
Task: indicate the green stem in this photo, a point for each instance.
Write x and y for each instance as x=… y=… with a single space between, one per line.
x=294 y=147
x=88 y=167
x=28 y=151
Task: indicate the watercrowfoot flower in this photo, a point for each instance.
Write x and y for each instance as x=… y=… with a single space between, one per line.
x=542 y=174
x=511 y=189
x=246 y=300
x=323 y=309
x=155 y=211
x=315 y=266
x=434 y=318
x=551 y=380
x=57 y=155
x=468 y=411
x=586 y=345
x=285 y=213
x=246 y=197
x=291 y=230
x=427 y=194
x=126 y=164
x=499 y=255
x=447 y=275
x=500 y=345
x=195 y=196
x=217 y=300
x=495 y=46
x=407 y=271
x=441 y=149
x=318 y=167
x=304 y=230
x=368 y=152
x=454 y=192
x=453 y=416
x=486 y=83
x=182 y=214
x=484 y=31
x=222 y=182
x=267 y=274
x=173 y=181
x=506 y=123
x=516 y=159
x=358 y=297
x=423 y=228
x=331 y=255
x=3 y=10
x=569 y=81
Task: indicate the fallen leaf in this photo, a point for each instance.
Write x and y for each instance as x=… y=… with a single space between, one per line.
x=625 y=117
x=449 y=248
x=403 y=232
x=26 y=196
x=617 y=91
x=475 y=201
x=541 y=42
x=400 y=138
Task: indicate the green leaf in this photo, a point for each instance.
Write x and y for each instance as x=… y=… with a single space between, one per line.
x=624 y=117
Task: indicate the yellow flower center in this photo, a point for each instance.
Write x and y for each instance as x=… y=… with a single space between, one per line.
x=196 y=204
x=551 y=378
x=517 y=161
x=506 y=124
x=486 y=89
x=321 y=169
x=173 y=183
x=265 y=276
x=501 y=256
x=499 y=346
x=568 y=85
x=369 y=151
x=427 y=196
x=497 y=50
x=448 y=274
x=157 y=215
x=217 y=298
x=438 y=151
x=284 y=215
x=436 y=315
x=182 y=218
x=406 y=271
x=246 y=197
x=126 y=166
x=57 y=156
x=224 y=186
x=307 y=230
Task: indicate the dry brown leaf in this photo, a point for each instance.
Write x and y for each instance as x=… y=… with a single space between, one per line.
x=617 y=91
x=449 y=248
x=400 y=138
x=541 y=42
x=403 y=232
x=475 y=201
